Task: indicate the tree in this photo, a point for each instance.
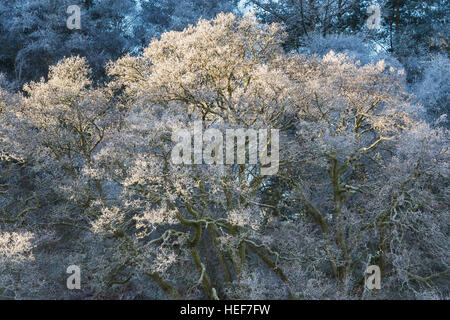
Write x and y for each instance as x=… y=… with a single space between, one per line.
x=362 y=180
x=36 y=36
x=157 y=17
x=433 y=90
x=344 y=136
x=304 y=18
x=345 y=126
x=221 y=79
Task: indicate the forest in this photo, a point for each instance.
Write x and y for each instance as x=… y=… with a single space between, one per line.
x=339 y=109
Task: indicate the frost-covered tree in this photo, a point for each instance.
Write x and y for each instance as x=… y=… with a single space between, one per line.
x=35 y=34
x=349 y=192
x=304 y=18
x=70 y=116
x=177 y=211
x=157 y=17
x=361 y=180
x=433 y=91
x=359 y=137
x=18 y=202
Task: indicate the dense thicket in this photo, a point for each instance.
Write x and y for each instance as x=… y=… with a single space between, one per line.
x=34 y=35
